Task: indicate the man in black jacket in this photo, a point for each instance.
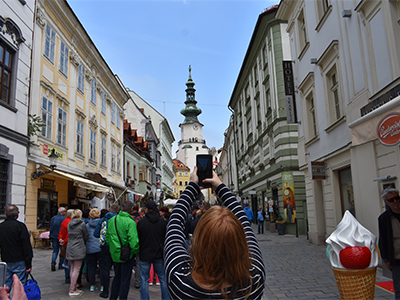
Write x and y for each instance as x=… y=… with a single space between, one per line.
x=15 y=244
x=389 y=235
x=151 y=230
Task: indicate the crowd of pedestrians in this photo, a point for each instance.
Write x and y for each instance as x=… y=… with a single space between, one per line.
x=196 y=251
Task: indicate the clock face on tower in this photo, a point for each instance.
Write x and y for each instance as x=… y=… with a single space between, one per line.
x=195 y=127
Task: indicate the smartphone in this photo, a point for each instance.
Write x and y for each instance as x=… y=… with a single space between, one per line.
x=3 y=273
x=204 y=168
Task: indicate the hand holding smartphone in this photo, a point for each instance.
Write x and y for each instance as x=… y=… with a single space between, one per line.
x=204 y=168
x=3 y=273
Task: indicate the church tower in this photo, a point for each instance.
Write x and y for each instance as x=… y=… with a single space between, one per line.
x=192 y=142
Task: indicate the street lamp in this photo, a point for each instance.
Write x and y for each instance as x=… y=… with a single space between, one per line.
x=53 y=164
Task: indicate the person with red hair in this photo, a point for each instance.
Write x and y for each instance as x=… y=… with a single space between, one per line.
x=224 y=261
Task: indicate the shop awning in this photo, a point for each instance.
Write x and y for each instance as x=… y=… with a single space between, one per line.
x=85 y=183
x=135 y=193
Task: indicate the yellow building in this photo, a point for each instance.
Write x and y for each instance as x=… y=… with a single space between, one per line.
x=80 y=101
x=182 y=177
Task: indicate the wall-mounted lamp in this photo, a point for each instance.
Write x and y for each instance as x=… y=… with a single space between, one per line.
x=346 y=13
x=385 y=178
x=313 y=61
x=53 y=164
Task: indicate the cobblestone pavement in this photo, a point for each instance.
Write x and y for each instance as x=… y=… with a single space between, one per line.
x=295 y=268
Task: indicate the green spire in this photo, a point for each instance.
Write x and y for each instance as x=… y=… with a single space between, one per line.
x=191 y=111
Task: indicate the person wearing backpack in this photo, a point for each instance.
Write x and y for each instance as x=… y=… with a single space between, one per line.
x=123 y=239
x=105 y=260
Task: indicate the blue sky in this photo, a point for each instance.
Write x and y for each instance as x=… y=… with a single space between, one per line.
x=150 y=44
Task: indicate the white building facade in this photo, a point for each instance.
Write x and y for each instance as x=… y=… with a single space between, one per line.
x=166 y=139
x=346 y=69
x=16 y=24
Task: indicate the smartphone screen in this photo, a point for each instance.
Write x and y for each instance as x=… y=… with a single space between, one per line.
x=3 y=273
x=204 y=168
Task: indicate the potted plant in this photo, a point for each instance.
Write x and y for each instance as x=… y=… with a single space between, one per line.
x=281 y=225
x=272 y=226
x=266 y=223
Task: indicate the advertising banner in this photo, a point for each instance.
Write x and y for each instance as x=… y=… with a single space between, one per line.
x=288 y=196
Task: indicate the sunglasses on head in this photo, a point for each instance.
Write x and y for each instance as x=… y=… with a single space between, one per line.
x=393 y=198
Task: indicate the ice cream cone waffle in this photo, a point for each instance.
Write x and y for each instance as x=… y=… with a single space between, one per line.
x=356 y=284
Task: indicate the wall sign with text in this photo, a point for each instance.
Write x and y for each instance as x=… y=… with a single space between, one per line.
x=389 y=129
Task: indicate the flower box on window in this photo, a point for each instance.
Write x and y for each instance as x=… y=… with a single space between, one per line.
x=261 y=166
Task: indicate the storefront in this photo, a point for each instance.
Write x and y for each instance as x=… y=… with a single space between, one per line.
x=375 y=156
x=47 y=192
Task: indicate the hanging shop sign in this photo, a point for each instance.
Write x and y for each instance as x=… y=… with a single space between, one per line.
x=389 y=129
x=289 y=92
x=288 y=196
x=318 y=170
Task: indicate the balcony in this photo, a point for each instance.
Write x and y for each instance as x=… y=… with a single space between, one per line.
x=193 y=140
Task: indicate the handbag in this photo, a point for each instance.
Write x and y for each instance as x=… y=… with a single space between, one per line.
x=125 y=250
x=63 y=251
x=32 y=289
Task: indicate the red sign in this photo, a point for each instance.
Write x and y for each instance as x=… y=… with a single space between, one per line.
x=45 y=149
x=389 y=129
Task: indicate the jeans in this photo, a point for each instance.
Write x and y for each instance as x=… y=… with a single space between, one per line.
x=122 y=280
x=56 y=249
x=75 y=267
x=144 y=278
x=396 y=281
x=17 y=268
x=92 y=258
x=105 y=263
x=260 y=225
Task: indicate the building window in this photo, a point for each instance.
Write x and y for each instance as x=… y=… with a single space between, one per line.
x=134 y=171
x=6 y=62
x=186 y=183
x=79 y=137
x=312 y=120
x=81 y=78
x=103 y=152
x=186 y=173
x=249 y=129
x=103 y=103
x=255 y=75
x=180 y=173
x=61 y=126
x=92 y=145
x=268 y=99
x=180 y=182
x=128 y=169
x=113 y=157
x=93 y=91
x=113 y=113
x=49 y=44
x=118 y=119
x=302 y=30
x=64 y=59
x=118 y=160
x=334 y=93
x=3 y=184
x=47 y=115
x=322 y=8
x=265 y=56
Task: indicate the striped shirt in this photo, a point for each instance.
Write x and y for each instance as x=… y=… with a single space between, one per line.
x=177 y=260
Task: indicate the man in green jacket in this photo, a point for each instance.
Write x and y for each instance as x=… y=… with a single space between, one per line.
x=128 y=236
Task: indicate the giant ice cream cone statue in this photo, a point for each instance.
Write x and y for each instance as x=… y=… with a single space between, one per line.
x=354 y=258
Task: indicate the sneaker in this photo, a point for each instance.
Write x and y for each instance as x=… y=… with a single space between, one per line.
x=79 y=285
x=102 y=288
x=150 y=283
x=103 y=295
x=53 y=267
x=157 y=283
x=93 y=288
